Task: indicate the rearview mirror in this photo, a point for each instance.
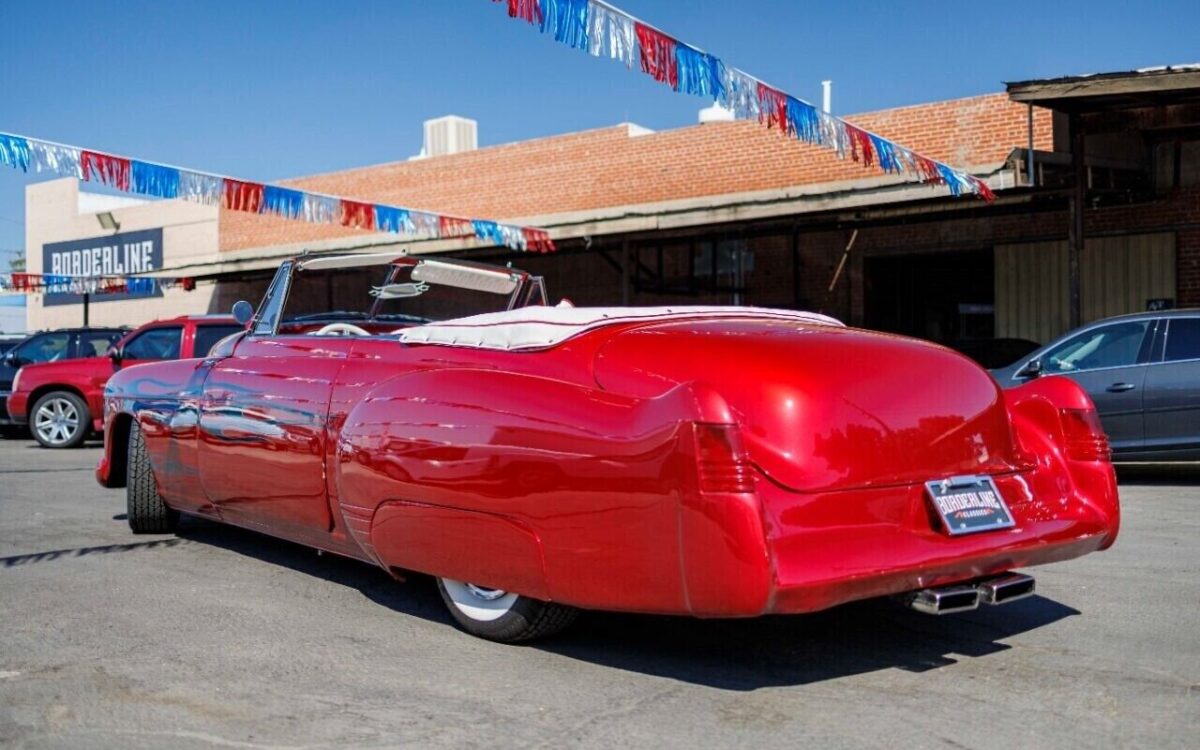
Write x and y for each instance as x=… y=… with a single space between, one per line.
x=1031 y=370
x=10 y=359
x=243 y=311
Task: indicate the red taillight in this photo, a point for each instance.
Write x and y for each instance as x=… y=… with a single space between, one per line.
x=721 y=460
x=1085 y=436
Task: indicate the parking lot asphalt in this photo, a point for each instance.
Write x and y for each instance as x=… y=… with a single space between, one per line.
x=223 y=638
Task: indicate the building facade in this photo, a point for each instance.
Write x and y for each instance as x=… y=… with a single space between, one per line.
x=731 y=213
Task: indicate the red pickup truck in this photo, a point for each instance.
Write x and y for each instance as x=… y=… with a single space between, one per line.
x=63 y=402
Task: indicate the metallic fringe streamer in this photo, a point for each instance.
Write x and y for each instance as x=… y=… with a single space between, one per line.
x=512 y=237
x=321 y=209
x=487 y=231
x=392 y=219
x=452 y=226
x=357 y=215
x=772 y=106
x=204 y=189
x=802 y=121
x=568 y=20
x=886 y=151
x=282 y=202
x=616 y=28
x=61 y=160
x=425 y=224
x=699 y=73
x=14 y=152
x=154 y=179
x=528 y=10
x=657 y=55
x=105 y=169
x=741 y=94
x=242 y=196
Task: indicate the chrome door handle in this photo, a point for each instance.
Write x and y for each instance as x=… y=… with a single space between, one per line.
x=1121 y=387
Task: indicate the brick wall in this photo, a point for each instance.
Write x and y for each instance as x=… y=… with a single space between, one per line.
x=609 y=167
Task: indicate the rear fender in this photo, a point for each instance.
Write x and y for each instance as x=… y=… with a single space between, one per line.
x=549 y=489
x=1035 y=409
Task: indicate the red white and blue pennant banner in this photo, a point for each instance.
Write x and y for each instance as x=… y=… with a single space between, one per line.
x=161 y=181
x=29 y=283
x=603 y=30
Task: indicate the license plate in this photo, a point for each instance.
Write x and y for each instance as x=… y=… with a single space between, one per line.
x=969 y=504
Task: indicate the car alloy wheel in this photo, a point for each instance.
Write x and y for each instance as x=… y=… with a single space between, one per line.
x=56 y=421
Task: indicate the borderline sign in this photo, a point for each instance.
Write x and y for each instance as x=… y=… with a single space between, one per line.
x=124 y=254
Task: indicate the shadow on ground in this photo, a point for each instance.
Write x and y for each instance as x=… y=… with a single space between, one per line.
x=1182 y=473
x=726 y=654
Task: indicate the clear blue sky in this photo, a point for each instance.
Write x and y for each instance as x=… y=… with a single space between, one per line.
x=272 y=89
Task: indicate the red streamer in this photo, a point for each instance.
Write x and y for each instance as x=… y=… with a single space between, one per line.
x=358 y=215
x=21 y=282
x=772 y=107
x=450 y=226
x=529 y=10
x=105 y=168
x=242 y=196
x=860 y=143
x=658 y=55
x=538 y=240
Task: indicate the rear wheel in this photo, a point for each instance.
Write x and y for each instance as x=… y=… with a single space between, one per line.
x=146 y=511
x=499 y=615
x=60 y=419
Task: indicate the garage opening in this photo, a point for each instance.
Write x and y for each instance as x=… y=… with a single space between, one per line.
x=945 y=297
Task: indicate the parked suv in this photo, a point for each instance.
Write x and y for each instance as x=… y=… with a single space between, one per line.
x=50 y=346
x=1143 y=373
x=64 y=401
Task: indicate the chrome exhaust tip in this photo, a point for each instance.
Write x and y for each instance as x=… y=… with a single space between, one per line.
x=944 y=600
x=1005 y=588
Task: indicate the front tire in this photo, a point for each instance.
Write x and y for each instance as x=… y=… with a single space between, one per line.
x=146 y=511
x=60 y=419
x=500 y=615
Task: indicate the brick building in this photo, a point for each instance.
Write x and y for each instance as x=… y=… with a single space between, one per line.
x=730 y=212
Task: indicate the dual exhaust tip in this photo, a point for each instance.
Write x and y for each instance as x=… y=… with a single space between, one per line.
x=1001 y=589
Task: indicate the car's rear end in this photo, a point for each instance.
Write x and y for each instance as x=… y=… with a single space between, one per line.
x=857 y=465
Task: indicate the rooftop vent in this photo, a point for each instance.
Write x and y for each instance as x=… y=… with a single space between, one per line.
x=716 y=113
x=450 y=135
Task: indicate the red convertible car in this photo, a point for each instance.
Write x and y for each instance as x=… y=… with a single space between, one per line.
x=438 y=416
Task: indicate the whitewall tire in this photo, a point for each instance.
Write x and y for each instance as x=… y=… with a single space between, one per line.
x=502 y=616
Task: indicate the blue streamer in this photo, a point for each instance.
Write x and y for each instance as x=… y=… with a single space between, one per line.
x=154 y=179
x=282 y=202
x=14 y=152
x=885 y=150
x=139 y=285
x=568 y=20
x=803 y=121
x=700 y=73
x=951 y=178
x=488 y=231
x=56 y=284
x=392 y=219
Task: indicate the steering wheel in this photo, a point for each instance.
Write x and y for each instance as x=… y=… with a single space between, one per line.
x=340 y=329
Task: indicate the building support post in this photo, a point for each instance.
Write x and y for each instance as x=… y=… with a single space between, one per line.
x=625 y=273
x=86 y=301
x=796 y=301
x=1075 y=234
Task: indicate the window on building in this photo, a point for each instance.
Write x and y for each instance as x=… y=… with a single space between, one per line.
x=1183 y=339
x=207 y=336
x=157 y=343
x=1115 y=345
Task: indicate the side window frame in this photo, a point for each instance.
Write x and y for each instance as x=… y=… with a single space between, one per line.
x=150 y=331
x=1142 y=357
x=1166 y=339
x=264 y=324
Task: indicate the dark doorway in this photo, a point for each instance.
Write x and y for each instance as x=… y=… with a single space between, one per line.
x=943 y=297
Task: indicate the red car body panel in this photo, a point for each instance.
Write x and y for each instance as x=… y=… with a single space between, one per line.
x=87 y=376
x=571 y=474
